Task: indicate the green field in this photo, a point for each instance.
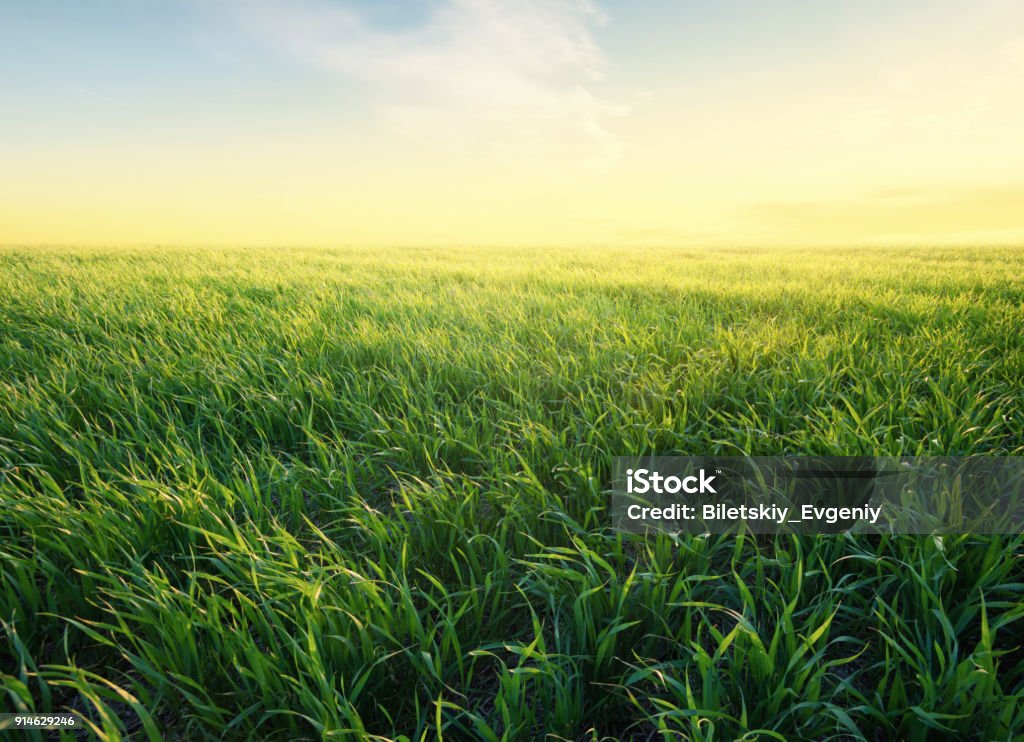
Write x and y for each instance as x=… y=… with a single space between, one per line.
x=259 y=494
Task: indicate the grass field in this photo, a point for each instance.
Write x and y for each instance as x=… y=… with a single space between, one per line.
x=257 y=494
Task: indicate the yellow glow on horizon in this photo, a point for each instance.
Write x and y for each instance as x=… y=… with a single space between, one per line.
x=469 y=142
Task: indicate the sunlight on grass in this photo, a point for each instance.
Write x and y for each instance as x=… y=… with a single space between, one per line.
x=292 y=494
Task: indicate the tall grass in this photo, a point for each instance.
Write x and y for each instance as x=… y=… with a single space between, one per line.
x=256 y=494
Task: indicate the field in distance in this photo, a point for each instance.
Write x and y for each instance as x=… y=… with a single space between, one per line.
x=290 y=494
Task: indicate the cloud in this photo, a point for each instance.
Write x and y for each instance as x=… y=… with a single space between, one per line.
x=489 y=76
x=1012 y=56
x=90 y=93
x=924 y=212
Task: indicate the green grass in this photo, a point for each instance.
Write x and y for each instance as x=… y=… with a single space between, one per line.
x=256 y=494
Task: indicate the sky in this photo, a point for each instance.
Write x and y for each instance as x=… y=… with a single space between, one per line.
x=503 y=122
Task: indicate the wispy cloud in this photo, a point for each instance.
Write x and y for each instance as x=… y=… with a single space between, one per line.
x=491 y=76
x=923 y=213
x=90 y=93
x=1012 y=56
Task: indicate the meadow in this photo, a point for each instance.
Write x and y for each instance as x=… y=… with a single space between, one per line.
x=354 y=493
